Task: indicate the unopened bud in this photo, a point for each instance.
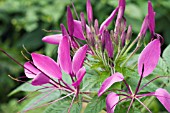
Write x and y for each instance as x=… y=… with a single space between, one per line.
x=128 y=34
x=89 y=12
x=96 y=26
x=70 y=22
x=144 y=27
x=123 y=37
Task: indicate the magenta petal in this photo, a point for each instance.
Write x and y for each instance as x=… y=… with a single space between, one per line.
x=64 y=30
x=78 y=31
x=70 y=22
x=108 y=20
x=78 y=58
x=164 y=97
x=40 y=79
x=80 y=74
x=64 y=55
x=89 y=11
x=111 y=100
x=53 y=39
x=149 y=57
x=47 y=65
x=30 y=70
x=116 y=77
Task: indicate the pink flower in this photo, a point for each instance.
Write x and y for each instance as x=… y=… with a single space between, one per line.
x=146 y=64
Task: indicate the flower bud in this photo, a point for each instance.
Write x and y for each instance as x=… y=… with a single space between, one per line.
x=96 y=26
x=70 y=22
x=89 y=12
x=83 y=21
x=128 y=34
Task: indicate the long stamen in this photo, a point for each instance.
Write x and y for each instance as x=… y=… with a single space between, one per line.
x=16 y=79
x=50 y=102
x=143 y=105
x=130 y=105
x=40 y=99
x=129 y=90
x=119 y=102
x=152 y=81
x=71 y=103
x=11 y=57
x=67 y=85
x=75 y=10
x=23 y=98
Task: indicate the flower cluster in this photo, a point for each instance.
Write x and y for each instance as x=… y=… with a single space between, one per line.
x=82 y=38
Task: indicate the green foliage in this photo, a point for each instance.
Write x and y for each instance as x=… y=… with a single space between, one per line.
x=26 y=87
x=96 y=105
x=42 y=98
x=63 y=106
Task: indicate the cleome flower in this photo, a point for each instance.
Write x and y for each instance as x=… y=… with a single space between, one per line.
x=147 y=62
x=44 y=69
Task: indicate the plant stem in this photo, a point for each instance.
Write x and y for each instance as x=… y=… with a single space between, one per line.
x=135 y=50
x=130 y=46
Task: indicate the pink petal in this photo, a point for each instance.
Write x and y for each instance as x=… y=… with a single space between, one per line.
x=30 y=70
x=164 y=97
x=116 y=77
x=78 y=58
x=47 y=65
x=64 y=30
x=40 y=79
x=149 y=57
x=53 y=39
x=64 y=55
x=111 y=100
x=122 y=3
x=80 y=74
x=78 y=31
x=89 y=11
x=108 y=20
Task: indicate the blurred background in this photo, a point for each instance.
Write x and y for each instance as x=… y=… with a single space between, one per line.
x=22 y=23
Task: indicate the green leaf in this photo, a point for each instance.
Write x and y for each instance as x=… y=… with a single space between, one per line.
x=63 y=106
x=28 y=87
x=134 y=78
x=96 y=105
x=161 y=68
x=66 y=77
x=166 y=57
x=42 y=98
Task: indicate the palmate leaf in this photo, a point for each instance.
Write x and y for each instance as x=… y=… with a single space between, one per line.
x=42 y=98
x=134 y=78
x=27 y=87
x=90 y=80
x=166 y=57
x=96 y=105
x=62 y=106
x=161 y=68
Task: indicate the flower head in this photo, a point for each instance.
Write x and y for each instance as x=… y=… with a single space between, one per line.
x=146 y=64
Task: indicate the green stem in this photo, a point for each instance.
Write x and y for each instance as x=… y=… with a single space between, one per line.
x=134 y=51
x=131 y=45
